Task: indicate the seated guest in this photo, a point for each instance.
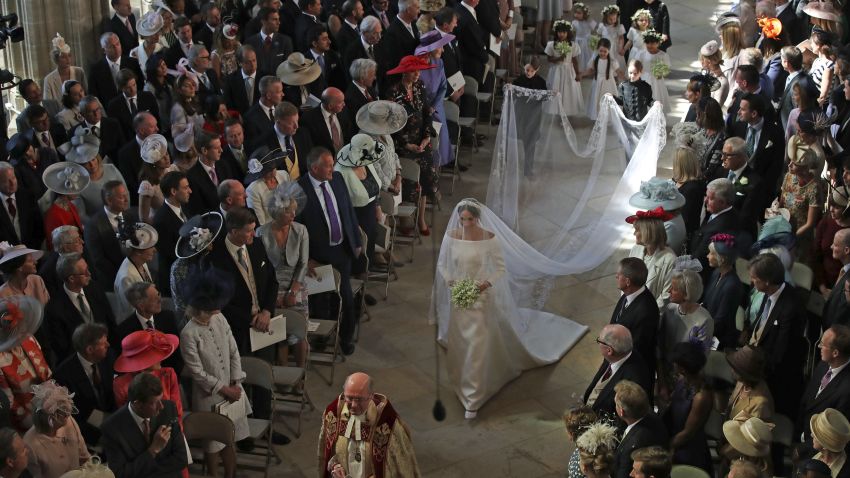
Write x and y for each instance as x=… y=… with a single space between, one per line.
x=144 y=351
x=18 y=267
x=724 y=291
x=643 y=427
x=72 y=94
x=14 y=454
x=597 y=447
x=30 y=162
x=55 y=443
x=156 y=163
x=263 y=178
x=102 y=228
x=651 y=247
x=78 y=301
x=65 y=180
x=167 y=221
x=287 y=243
x=751 y=195
x=361 y=90
x=130 y=162
x=803 y=195
x=747 y=439
x=751 y=397
x=837 y=307
x=659 y=192
x=88 y=375
x=66 y=240
x=577 y=420
x=722 y=217
x=138 y=241
x=213 y=361
x=620 y=362
x=196 y=238
x=830 y=434
x=637 y=310
x=21 y=223
x=148 y=314
x=651 y=462
x=82 y=149
x=691 y=403
x=143 y=439
x=827 y=268
x=22 y=361
x=302 y=80
x=829 y=385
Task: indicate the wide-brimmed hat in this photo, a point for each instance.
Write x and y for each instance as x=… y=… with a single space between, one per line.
x=154 y=148
x=197 y=234
x=298 y=70
x=66 y=177
x=82 y=147
x=150 y=24
x=145 y=348
x=184 y=137
x=831 y=428
x=657 y=213
x=20 y=317
x=726 y=18
x=10 y=252
x=411 y=63
x=137 y=235
x=824 y=10
x=361 y=151
x=657 y=192
x=381 y=117
x=207 y=288
x=749 y=436
x=748 y=363
x=431 y=41
x=263 y=161
x=19 y=143
x=709 y=48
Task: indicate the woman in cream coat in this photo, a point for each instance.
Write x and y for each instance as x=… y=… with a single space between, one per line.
x=651 y=247
x=65 y=70
x=262 y=179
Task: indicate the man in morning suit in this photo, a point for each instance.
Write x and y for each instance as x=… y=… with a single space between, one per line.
x=332 y=226
x=637 y=310
x=643 y=427
x=88 y=375
x=287 y=136
x=446 y=23
x=829 y=386
x=400 y=39
x=208 y=82
x=472 y=40
x=271 y=46
x=210 y=20
x=329 y=125
x=349 y=31
x=792 y=62
x=721 y=217
x=185 y=42
x=242 y=87
x=368 y=44
x=167 y=222
x=101 y=228
x=836 y=310
x=233 y=152
x=748 y=80
x=259 y=120
x=103 y=73
x=143 y=438
x=149 y=314
x=778 y=332
x=20 y=218
x=620 y=362
x=31 y=92
x=319 y=49
x=123 y=24
x=124 y=107
x=79 y=301
x=207 y=173
x=747 y=184
x=361 y=88
x=765 y=140
x=106 y=129
x=304 y=22
x=129 y=161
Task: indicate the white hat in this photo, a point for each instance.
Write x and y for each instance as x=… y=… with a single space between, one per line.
x=82 y=147
x=137 y=235
x=361 y=151
x=10 y=252
x=184 y=137
x=709 y=48
x=66 y=177
x=381 y=117
x=297 y=70
x=150 y=24
x=154 y=148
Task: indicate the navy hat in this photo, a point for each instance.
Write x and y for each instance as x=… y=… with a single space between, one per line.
x=816 y=466
x=19 y=143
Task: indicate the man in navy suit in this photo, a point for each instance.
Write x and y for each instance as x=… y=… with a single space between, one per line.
x=333 y=229
x=123 y=24
x=242 y=87
x=20 y=218
x=637 y=310
x=836 y=310
x=643 y=427
x=185 y=42
x=200 y=63
x=104 y=72
x=349 y=31
x=143 y=438
x=368 y=44
x=400 y=39
x=309 y=18
x=620 y=362
x=259 y=120
x=88 y=375
x=101 y=229
x=167 y=222
x=329 y=125
x=832 y=391
x=124 y=107
x=149 y=314
x=792 y=62
x=205 y=176
x=721 y=217
x=446 y=20
x=271 y=46
x=319 y=49
x=472 y=40
x=105 y=128
x=205 y=30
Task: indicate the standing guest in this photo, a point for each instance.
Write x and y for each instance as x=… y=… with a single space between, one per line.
x=105 y=177
x=143 y=439
x=332 y=226
x=23 y=360
x=564 y=70
x=286 y=135
x=14 y=454
x=829 y=385
x=149 y=27
x=802 y=194
x=88 y=375
x=107 y=130
x=104 y=72
x=473 y=40
x=72 y=92
x=55 y=443
x=724 y=291
x=827 y=268
x=206 y=79
x=130 y=101
x=690 y=182
x=684 y=319
x=401 y=36
x=123 y=24
x=748 y=439
x=577 y=421
x=148 y=314
x=368 y=44
x=241 y=88
x=33 y=96
x=205 y=176
x=643 y=427
x=20 y=217
x=167 y=221
x=17 y=264
x=159 y=84
x=637 y=309
x=361 y=90
x=233 y=151
x=262 y=180
x=340 y=449
x=180 y=48
x=197 y=238
x=830 y=434
x=304 y=22
x=272 y=47
x=651 y=462
x=333 y=70
x=329 y=125
x=691 y=403
x=751 y=397
x=64 y=71
x=138 y=242
x=102 y=229
x=29 y=162
x=65 y=180
x=213 y=360
x=156 y=163
x=722 y=218
x=803 y=99
x=131 y=161
x=436 y=88
x=651 y=247
x=66 y=240
x=352 y=13
x=620 y=362
x=635 y=95
x=792 y=63
x=837 y=307
x=711 y=59
x=210 y=20
x=46 y=133
x=751 y=192
x=225 y=44
x=260 y=118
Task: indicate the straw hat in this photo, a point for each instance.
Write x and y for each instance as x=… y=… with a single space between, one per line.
x=297 y=70
x=831 y=428
x=143 y=349
x=381 y=117
x=154 y=148
x=20 y=317
x=11 y=252
x=824 y=10
x=431 y=41
x=66 y=177
x=150 y=24
x=197 y=234
x=657 y=192
x=748 y=363
x=751 y=437
x=361 y=151
x=83 y=146
x=411 y=63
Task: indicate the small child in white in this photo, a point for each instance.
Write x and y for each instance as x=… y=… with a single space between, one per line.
x=603 y=68
x=563 y=77
x=641 y=22
x=656 y=67
x=583 y=28
x=613 y=30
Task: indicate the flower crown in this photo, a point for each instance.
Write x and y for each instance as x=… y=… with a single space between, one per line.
x=60 y=45
x=727 y=239
x=651 y=35
x=255 y=166
x=581 y=7
x=610 y=9
x=598 y=435
x=640 y=13
x=687 y=263
x=562 y=24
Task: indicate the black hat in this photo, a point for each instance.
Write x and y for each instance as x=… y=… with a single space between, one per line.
x=197 y=234
x=19 y=143
x=262 y=161
x=816 y=466
x=207 y=288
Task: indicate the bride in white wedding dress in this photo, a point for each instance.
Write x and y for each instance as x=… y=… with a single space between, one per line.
x=492 y=342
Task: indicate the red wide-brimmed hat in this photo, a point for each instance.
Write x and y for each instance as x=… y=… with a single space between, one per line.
x=143 y=349
x=411 y=63
x=657 y=213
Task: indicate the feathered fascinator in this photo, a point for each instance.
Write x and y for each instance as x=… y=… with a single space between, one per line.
x=48 y=397
x=687 y=263
x=814 y=123
x=287 y=192
x=651 y=36
x=608 y=9
x=687 y=135
x=60 y=45
x=93 y=468
x=770 y=27
x=597 y=436
x=642 y=13
x=207 y=288
x=708 y=80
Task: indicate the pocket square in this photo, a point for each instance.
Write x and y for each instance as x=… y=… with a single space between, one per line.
x=775 y=322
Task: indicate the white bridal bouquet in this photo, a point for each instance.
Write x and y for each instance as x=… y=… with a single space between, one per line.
x=465 y=293
x=563 y=48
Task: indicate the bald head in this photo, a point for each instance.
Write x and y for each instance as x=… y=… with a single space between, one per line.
x=357 y=392
x=333 y=100
x=615 y=342
x=841 y=246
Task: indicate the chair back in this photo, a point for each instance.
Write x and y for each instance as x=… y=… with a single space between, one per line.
x=452 y=111
x=409 y=169
x=784 y=431
x=471 y=88
x=718 y=367
x=208 y=426
x=742 y=268
x=802 y=275
x=258 y=373
x=688 y=471
x=740 y=317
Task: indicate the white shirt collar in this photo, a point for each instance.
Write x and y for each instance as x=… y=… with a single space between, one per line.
x=122 y=18
x=245 y=77
x=5 y=197
x=264 y=36
x=628 y=428
x=144 y=320
x=619 y=363
x=837 y=370
x=73 y=295
x=631 y=297
x=315 y=182
x=136 y=418
x=406 y=25
x=471 y=10
x=233 y=248
x=86 y=364
x=206 y=168
x=359 y=87
x=352 y=25
x=739 y=171
x=178 y=210
x=721 y=212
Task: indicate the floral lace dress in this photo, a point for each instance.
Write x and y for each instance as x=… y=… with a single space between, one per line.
x=417 y=128
x=798 y=198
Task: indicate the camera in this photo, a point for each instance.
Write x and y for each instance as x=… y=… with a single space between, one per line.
x=9 y=29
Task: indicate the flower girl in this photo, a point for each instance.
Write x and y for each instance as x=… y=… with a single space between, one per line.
x=613 y=30
x=656 y=67
x=563 y=76
x=641 y=22
x=604 y=70
x=583 y=29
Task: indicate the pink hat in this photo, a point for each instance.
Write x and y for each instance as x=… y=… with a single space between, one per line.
x=144 y=348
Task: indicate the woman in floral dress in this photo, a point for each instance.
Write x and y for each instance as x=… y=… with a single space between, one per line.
x=802 y=194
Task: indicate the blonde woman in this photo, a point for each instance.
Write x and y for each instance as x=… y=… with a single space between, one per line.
x=731 y=44
x=687 y=175
x=55 y=443
x=651 y=247
x=711 y=59
x=596 y=447
x=64 y=71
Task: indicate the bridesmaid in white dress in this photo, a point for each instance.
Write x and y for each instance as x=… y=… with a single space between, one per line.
x=603 y=68
x=650 y=56
x=641 y=22
x=492 y=342
x=613 y=30
x=563 y=74
x=583 y=27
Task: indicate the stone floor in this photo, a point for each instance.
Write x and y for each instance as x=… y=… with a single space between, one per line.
x=520 y=431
